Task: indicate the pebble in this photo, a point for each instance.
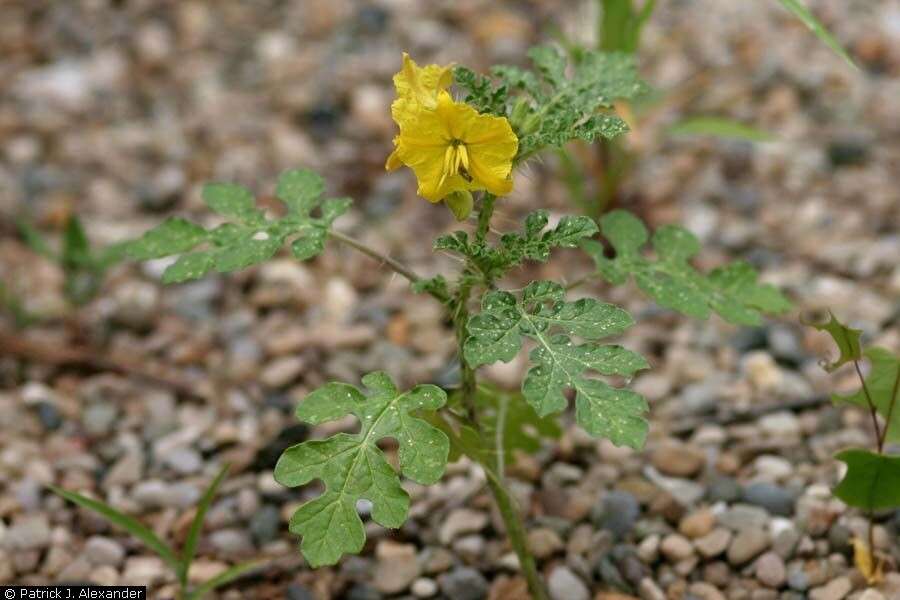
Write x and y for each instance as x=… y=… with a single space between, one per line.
x=774 y=498
x=746 y=545
x=463 y=583
x=563 y=584
x=744 y=516
x=295 y=591
x=544 y=542
x=282 y=371
x=424 y=587
x=99 y=417
x=616 y=513
x=677 y=459
x=648 y=549
x=461 y=521
x=648 y=590
x=723 y=489
x=837 y=589
x=697 y=524
x=676 y=547
x=232 y=542
x=184 y=461
x=104 y=551
x=396 y=567
x=144 y=570
x=770 y=570
x=29 y=533
x=705 y=591
x=780 y=425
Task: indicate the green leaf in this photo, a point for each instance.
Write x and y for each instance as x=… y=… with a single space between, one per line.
x=559 y=363
x=250 y=238
x=721 y=128
x=174 y=236
x=34 y=239
x=193 y=537
x=731 y=291
x=352 y=467
x=872 y=481
x=76 y=249
x=846 y=338
x=803 y=13
x=224 y=578
x=883 y=386
x=230 y=200
x=129 y=524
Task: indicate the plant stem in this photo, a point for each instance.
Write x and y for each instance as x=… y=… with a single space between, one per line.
x=515 y=530
x=393 y=264
x=871 y=404
x=484 y=217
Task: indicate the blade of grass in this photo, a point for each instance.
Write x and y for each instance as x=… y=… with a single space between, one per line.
x=223 y=578
x=720 y=127
x=129 y=524
x=193 y=536
x=799 y=10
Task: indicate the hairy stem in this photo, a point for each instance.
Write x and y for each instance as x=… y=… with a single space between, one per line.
x=484 y=217
x=515 y=531
x=387 y=260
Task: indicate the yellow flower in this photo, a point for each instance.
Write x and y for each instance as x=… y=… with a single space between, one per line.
x=417 y=89
x=454 y=149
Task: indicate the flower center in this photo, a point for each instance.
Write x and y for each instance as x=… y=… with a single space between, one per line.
x=456 y=161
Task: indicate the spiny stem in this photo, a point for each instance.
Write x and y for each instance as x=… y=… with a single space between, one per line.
x=387 y=260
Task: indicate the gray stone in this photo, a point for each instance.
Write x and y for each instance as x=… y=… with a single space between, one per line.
x=265 y=524
x=770 y=570
x=774 y=498
x=837 y=589
x=29 y=533
x=232 y=542
x=563 y=584
x=463 y=583
x=98 y=418
x=101 y=550
x=723 y=489
x=184 y=461
x=744 y=516
x=617 y=513
x=461 y=521
x=295 y=591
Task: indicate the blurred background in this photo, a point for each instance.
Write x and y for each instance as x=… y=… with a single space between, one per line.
x=118 y=112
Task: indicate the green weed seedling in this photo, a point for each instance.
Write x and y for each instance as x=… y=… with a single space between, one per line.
x=463 y=153
x=872 y=480
x=179 y=562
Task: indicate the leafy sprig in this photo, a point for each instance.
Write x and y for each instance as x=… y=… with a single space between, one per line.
x=249 y=237
x=558 y=363
x=353 y=467
x=732 y=291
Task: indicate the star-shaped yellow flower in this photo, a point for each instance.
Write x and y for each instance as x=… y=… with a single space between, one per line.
x=452 y=149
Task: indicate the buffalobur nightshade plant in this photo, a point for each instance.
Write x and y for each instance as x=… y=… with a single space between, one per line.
x=463 y=151
x=872 y=478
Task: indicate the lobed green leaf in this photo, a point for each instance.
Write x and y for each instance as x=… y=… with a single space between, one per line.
x=846 y=338
x=353 y=467
x=883 y=387
x=731 y=291
x=558 y=362
x=250 y=237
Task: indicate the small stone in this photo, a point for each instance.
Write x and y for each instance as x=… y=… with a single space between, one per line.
x=871 y=594
x=295 y=591
x=774 y=498
x=780 y=425
x=104 y=551
x=49 y=415
x=184 y=461
x=723 y=489
x=265 y=524
x=232 y=542
x=282 y=371
x=678 y=460
x=746 y=545
x=144 y=570
x=770 y=570
x=563 y=584
x=648 y=590
x=127 y=470
x=461 y=521
x=617 y=513
x=104 y=575
x=29 y=533
x=697 y=524
x=705 y=591
x=463 y=583
x=786 y=543
x=98 y=418
x=837 y=589
x=714 y=543
x=773 y=468
x=203 y=570
x=676 y=547
x=396 y=568
x=648 y=549
x=424 y=587
x=744 y=516
x=544 y=542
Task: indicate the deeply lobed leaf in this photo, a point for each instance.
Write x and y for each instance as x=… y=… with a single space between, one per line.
x=731 y=291
x=352 y=467
x=249 y=237
x=846 y=338
x=558 y=362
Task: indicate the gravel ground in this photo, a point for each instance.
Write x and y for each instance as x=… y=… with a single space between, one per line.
x=120 y=111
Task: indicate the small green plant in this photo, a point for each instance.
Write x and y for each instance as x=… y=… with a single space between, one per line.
x=84 y=267
x=463 y=153
x=179 y=562
x=595 y=175
x=872 y=479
